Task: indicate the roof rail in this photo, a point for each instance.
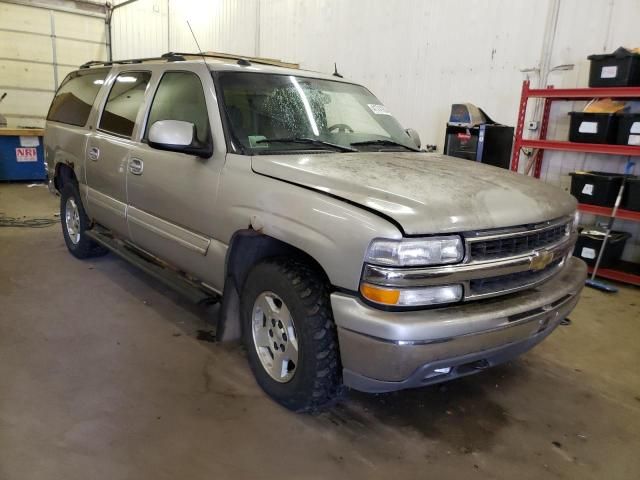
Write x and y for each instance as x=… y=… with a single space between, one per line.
x=169 y=57
x=179 y=57
x=244 y=58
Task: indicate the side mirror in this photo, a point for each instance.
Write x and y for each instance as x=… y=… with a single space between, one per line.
x=177 y=136
x=414 y=136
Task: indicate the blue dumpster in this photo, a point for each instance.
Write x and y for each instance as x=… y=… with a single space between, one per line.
x=21 y=154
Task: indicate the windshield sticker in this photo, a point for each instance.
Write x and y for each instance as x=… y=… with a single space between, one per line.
x=255 y=139
x=378 y=109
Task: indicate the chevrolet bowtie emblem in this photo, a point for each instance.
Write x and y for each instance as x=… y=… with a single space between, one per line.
x=540 y=260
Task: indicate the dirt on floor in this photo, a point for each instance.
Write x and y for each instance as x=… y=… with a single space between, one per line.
x=104 y=373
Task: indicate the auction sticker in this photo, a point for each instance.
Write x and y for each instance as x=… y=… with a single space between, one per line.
x=26 y=154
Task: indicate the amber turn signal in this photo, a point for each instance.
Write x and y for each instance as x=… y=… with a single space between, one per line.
x=380 y=295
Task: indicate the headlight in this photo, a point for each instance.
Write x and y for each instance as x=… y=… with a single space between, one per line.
x=576 y=220
x=413 y=252
x=411 y=297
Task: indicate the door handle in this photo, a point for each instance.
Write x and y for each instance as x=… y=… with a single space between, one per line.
x=136 y=166
x=94 y=154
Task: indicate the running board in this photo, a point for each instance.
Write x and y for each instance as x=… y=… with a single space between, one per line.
x=168 y=277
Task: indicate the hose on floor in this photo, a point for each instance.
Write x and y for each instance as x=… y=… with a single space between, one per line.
x=25 y=222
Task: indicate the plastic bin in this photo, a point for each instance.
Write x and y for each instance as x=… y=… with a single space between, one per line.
x=596 y=188
x=618 y=69
x=587 y=127
x=628 y=129
x=590 y=241
x=631 y=197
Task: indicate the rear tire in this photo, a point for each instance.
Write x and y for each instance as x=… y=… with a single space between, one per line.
x=290 y=335
x=75 y=224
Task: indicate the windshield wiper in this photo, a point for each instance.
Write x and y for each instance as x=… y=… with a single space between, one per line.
x=384 y=142
x=308 y=141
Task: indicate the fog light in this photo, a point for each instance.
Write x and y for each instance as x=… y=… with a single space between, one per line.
x=412 y=297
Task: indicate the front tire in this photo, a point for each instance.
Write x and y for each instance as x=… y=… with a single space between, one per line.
x=75 y=224
x=290 y=335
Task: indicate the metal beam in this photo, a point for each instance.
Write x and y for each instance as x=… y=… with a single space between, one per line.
x=123 y=4
x=100 y=10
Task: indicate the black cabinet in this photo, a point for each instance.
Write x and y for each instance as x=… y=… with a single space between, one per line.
x=486 y=143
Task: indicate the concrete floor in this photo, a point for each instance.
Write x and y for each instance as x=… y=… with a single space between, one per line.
x=102 y=376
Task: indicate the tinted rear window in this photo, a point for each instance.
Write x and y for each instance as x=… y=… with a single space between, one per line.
x=74 y=99
x=125 y=99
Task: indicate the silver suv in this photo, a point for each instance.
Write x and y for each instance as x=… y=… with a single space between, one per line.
x=341 y=253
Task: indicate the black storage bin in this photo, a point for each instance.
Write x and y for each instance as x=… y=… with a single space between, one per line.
x=596 y=188
x=618 y=69
x=587 y=127
x=589 y=242
x=631 y=197
x=628 y=129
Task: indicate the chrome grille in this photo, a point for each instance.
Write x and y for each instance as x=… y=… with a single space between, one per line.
x=484 y=287
x=515 y=243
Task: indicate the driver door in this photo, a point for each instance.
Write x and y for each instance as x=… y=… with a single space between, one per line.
x=171 y=195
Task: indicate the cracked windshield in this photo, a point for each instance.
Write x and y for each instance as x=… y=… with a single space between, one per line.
x=278 y=113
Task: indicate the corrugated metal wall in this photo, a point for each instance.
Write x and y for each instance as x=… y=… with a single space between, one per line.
x=153 y=27
x=38 y=47
x=419 y=56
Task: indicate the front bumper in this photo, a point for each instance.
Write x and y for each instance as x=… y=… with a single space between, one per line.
x=385 y=351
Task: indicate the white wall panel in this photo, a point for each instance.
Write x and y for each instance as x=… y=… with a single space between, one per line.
x=417 y=56
x=85 y=28
x=23 y=18
x=25 y=46
x=219 y=25
x=77 y=52
x=140 y=29
x=27 y=75
x=38 y=47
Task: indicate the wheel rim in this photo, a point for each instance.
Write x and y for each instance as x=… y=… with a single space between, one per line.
x=274 y=337
x=72 y=220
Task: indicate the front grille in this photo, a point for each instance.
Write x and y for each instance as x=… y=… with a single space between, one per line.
x=514 y=281
x=511 y=245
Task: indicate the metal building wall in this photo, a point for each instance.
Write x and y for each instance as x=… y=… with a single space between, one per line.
x=39 y=45
x=417 y=56
x=153 y=27
x=140 y=29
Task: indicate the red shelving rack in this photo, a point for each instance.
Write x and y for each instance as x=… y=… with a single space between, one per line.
x=607 y=211
x=624 y=272
x=551 y=95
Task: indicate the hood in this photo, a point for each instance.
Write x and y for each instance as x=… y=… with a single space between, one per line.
x=424 y=192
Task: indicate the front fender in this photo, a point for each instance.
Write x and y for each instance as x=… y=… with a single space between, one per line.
x=335 y=233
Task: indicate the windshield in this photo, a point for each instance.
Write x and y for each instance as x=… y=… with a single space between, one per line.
x=270 y=113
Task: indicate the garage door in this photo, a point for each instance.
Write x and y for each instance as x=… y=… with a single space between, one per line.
x=38 y=47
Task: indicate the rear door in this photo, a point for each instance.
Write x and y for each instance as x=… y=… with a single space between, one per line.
x=172 y=195
x=65 y=138
x=109 y=147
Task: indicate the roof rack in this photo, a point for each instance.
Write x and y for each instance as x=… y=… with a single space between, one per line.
x=180 y=57
x=243 y=58
x=169 y=57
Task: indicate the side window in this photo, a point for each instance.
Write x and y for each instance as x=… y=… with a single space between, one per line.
x=180 y=97
x=125 y=99
x=74 y=99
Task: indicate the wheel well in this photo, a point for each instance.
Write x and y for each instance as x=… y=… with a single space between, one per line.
x=246 y=249
x=64 y=174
